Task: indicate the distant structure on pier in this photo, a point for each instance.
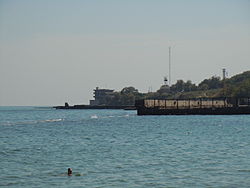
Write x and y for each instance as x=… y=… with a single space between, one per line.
x=100 y=96
x=165 y=81
x=224 y=74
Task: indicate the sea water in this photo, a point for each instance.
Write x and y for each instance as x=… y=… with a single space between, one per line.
x=117 y=148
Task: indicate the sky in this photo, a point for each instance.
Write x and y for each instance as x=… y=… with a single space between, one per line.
x=56 y=51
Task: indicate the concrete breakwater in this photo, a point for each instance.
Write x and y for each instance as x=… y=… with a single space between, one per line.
x=201 y=106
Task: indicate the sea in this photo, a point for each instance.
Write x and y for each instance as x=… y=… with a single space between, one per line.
x=117 y=148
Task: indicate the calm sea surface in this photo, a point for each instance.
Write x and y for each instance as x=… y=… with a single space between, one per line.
x=116 y=148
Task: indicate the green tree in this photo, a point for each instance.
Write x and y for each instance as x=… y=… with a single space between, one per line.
x=188 y=86
x=178 y=87
x=211 y=83
x=182 y=86
x=243 y=90
x=163 y=89
x=129 y=90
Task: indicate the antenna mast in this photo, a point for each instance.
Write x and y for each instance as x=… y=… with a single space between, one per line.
x=169 y=68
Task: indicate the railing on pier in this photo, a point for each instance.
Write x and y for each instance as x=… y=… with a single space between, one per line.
x=193 y=103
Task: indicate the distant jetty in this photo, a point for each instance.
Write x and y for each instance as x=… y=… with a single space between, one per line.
x=79 y=107
x=201 y=106
x=99 y=102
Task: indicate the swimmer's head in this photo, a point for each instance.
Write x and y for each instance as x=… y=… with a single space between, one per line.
x=69 y=171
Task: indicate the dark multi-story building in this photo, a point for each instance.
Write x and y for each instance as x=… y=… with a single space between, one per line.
x=100 y=96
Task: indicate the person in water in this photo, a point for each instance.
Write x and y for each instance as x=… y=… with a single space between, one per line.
x=70 y=172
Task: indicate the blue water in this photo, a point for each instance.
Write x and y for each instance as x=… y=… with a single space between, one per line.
x=116 y=148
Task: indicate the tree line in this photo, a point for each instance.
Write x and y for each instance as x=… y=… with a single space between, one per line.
x=236 y=86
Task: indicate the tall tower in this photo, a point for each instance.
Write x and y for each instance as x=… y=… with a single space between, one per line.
x=169 y=68
x=224 y=74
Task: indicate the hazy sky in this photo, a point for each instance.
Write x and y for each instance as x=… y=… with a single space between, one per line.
x=53 y=51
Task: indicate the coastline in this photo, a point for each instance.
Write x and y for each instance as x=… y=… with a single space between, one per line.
x=82 y=107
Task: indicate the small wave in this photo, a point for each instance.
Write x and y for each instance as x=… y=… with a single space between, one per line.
x=244 y=170
x=94 y=117
x=78 y=174
x=18 y=123
x=126 y=115
x=3 y=153
x=29 y=122
x=52 y=120
x=66 y=175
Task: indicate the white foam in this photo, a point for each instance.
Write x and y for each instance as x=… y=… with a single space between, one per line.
x=52 y=120
x=94 y=117
x=29 y=122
